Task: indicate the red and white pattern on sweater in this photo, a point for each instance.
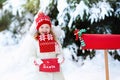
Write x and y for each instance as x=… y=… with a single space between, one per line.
x=46 y=43
x=45 y=37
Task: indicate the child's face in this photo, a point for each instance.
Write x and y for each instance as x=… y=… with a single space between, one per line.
x=45 y=28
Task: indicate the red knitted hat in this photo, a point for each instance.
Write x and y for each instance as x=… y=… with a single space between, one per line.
x=42 y=19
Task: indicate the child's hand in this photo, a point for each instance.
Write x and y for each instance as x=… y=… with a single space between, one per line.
x=38 y=62
x=60 y=59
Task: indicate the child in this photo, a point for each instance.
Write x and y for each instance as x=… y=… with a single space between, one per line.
x=47 y=49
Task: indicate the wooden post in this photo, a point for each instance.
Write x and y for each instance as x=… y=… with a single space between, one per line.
x=106 y=64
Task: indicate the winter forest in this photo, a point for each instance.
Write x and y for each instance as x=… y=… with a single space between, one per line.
x=97 y=16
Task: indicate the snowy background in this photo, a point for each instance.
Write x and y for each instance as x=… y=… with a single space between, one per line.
x=15 y=65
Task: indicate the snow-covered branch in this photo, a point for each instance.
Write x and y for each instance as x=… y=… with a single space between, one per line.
x=99 y=11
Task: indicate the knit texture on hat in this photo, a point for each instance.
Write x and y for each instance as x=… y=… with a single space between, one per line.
x=42 y=19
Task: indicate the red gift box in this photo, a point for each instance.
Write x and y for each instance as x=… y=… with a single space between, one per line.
x=46 y=43
x=50 y=65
